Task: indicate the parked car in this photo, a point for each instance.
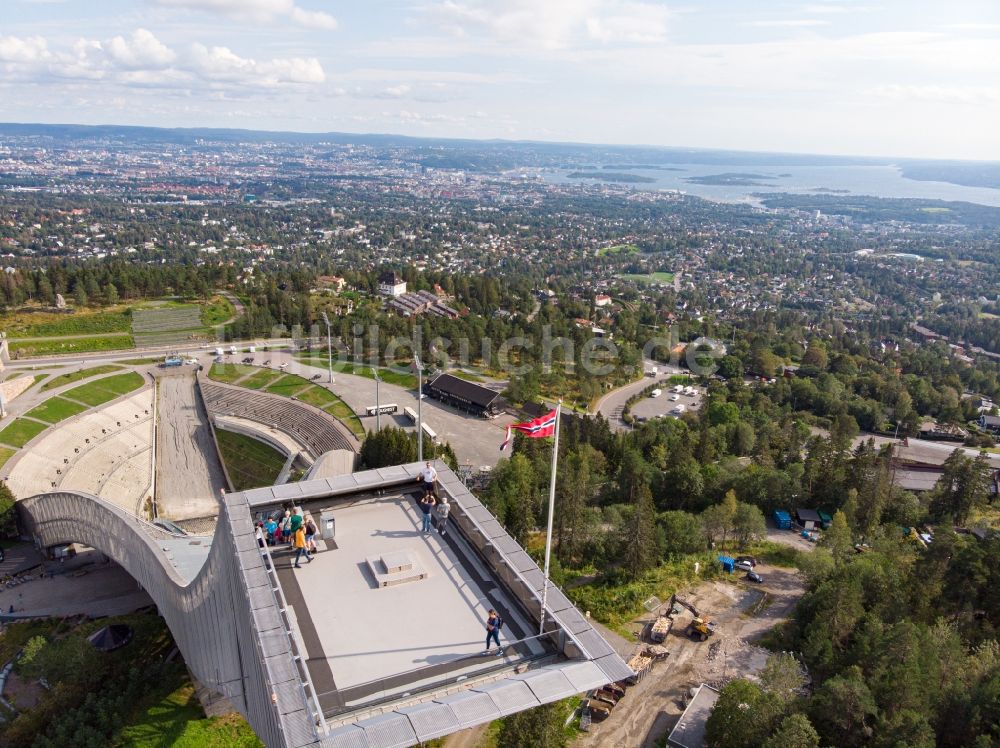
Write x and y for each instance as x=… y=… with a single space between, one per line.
x=744 y=565
x=753 y=576
x=749 y=559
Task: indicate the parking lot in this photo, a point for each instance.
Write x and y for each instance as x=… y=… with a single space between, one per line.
x=672 y=402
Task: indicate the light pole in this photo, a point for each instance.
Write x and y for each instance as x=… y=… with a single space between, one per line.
x=378 y=405
x=420 y=397
x=329 y=346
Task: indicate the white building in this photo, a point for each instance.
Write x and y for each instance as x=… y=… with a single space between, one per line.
x=390 y=284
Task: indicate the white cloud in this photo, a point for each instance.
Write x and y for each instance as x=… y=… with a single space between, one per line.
x=789 y=23
x=222 y=64
x=142 y=51
x=26 y=51
x=258 y=11
x=971 y=95
x=144 y=60
x=554 y=24
x=314 y=19
x=638 y=23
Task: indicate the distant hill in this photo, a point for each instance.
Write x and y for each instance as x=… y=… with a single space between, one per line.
x=491 y=155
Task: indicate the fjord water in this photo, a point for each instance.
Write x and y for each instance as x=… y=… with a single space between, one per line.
x=873 y=180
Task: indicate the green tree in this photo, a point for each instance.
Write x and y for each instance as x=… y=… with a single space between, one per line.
x=390 y=446
x=682 y=484
x=963 y=486
x=541 y=727
x=512 y=495
x=816 y=356
x=795 y=731
x=844 y=710
x=8 y=512
x=743 y=716
x=575 y=487
x=633 y=473
x=783 y=676
x=748 y=524
x=682 y=533
x=730 y=367
x=640 y=551
x=29 y=664
x=837 y=538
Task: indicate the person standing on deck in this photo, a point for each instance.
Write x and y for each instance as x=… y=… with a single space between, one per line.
x=493 y=625
x=427 y=507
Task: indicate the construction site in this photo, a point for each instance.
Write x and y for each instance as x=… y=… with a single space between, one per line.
x=674 y=650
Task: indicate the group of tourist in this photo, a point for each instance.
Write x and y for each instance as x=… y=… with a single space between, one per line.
x=292 y=529
x=299 y=532
x=430 y=505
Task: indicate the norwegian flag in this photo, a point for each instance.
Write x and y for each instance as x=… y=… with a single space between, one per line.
x=536 y=429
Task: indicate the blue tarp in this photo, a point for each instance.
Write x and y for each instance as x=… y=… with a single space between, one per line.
x=782 y=520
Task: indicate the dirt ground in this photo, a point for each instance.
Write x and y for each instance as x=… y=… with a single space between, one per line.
x=742 y=613
x=23 y=694
x=791 y=538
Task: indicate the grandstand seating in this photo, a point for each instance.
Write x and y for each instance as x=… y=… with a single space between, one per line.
x=106 y=452
x=310 y=426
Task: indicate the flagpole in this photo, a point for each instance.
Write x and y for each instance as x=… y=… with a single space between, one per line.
x=548 y=532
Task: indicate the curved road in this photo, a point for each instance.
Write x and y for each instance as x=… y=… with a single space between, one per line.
x=612 y=405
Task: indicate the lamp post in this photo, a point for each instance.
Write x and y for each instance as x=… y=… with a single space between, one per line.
x=329 y=346
x=420 y=397
x=378 y=405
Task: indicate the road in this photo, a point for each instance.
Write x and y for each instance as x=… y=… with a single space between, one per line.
x=476 y=441
x=919 y=450
x=188 y=474
x=612 y=405
x=68 y=359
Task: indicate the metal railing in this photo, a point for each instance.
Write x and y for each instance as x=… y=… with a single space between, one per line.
x=532 y=593
x=305 y=679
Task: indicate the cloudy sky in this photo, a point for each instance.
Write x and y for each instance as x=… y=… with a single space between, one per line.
x=877 y=77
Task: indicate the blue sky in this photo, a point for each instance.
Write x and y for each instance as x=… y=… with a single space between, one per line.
x=890 y=78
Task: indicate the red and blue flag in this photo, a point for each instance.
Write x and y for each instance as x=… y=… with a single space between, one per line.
x=536 y=429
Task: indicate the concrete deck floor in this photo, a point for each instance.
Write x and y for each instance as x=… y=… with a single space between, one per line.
x=365 y=641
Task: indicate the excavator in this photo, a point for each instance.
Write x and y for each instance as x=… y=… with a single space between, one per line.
x=700 y=627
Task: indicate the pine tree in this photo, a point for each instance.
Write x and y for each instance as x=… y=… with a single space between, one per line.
x=640 y=552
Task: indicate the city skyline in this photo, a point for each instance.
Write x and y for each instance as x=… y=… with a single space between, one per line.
x=832 y=76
